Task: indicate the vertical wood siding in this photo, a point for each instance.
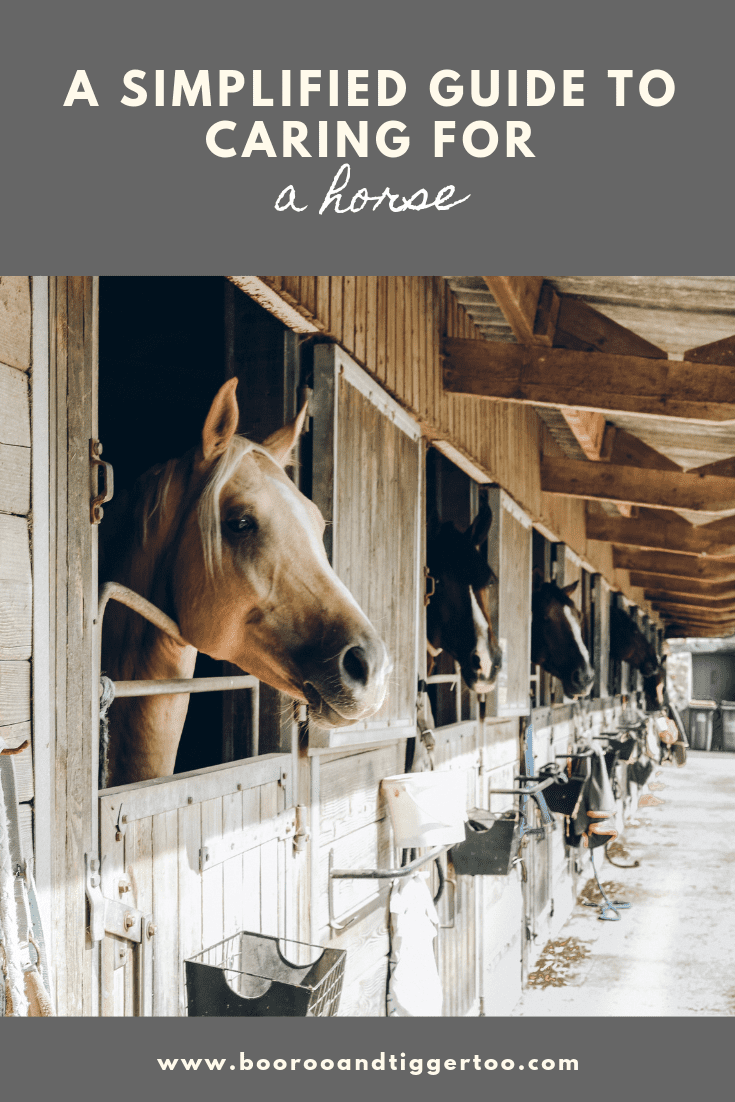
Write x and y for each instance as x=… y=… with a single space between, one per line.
x=15 y=555
x=393 y=326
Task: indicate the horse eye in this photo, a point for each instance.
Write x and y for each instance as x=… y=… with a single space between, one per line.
x=241 y=525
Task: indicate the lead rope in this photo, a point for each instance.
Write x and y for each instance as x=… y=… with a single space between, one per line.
x=9 y=920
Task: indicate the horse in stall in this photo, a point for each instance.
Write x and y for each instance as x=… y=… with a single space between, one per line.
x=458 y=615
x=223 y=542
x=629 y=644
x=556 y=637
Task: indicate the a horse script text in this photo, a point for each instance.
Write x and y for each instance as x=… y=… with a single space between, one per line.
x=392 y=200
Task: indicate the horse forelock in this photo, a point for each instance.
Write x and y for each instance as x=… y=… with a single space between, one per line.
x=208 y=508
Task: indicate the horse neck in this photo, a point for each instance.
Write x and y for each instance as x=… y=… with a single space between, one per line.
x=145 y=731
x=144 y=565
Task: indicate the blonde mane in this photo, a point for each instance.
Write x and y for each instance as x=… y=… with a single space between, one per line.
x=155 y=485
x=208 y=513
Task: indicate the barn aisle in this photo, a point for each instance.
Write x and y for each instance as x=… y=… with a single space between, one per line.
x=673 y=952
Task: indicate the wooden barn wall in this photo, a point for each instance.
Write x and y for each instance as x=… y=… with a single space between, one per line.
x=15 y=552
x=393 y=326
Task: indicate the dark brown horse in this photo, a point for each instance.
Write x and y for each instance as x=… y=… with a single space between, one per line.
x=458 y=617
x=629 y=644
x=556 y=638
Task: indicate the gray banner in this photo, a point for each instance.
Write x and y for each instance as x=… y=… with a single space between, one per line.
x=134 y=189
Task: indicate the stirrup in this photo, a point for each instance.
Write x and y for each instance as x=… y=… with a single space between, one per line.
x=609 y=914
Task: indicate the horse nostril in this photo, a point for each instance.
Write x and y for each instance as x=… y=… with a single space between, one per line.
x=356 y=665
x=476 y=661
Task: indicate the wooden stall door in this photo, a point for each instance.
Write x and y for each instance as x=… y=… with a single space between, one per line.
x=367 y=477
x=206 y=854
x=367 y=480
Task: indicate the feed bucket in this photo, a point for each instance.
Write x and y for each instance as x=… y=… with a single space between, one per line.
x=427 y=809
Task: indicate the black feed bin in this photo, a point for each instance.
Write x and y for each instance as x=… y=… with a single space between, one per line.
x=256 y=976
x=490 y=846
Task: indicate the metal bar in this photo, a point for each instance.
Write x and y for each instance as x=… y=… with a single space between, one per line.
x=386 y=874
x=443 y=679
x=584 y=754
x=115 y=591
x=184 y=685
x=370 y=874
x=529 y=791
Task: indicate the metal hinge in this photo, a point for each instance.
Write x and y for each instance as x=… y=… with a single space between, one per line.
x=118 y=919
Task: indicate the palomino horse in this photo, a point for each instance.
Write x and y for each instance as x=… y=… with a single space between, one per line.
x=224 y=543
x=458 y=616
x=629 y=644
x=556 y=638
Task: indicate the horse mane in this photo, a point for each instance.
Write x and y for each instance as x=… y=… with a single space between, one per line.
x=208 y=513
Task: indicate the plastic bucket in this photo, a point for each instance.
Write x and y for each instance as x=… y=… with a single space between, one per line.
x=427 y=809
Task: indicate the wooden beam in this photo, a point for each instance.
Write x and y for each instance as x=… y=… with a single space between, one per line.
x=638 y=486
x=627 y=450
x=518 y=298
x=607 y=383
x=588 y=429
x=672 y=565
x=724 y=467
x=688 y=586
x=671 y=608
x=660 y=530
x=692 y=600
x=582 y=327
x=718 y=352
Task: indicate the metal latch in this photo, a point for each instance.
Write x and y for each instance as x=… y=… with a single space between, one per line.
x=111 y=916
x=104 y=493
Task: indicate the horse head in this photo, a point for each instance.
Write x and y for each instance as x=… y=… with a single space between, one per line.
x=252 y=584
x=556 y=638
x=629 y=644
x=458 y=616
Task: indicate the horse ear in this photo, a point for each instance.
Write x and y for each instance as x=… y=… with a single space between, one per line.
x=222 y=421
x=478 y=530
x=281 y=443
x=569 y=589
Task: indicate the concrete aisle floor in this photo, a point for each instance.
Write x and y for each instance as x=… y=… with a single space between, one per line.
x=673 y=952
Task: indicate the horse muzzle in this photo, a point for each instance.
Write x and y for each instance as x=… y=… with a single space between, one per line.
x=579 y=682
x=350 y=686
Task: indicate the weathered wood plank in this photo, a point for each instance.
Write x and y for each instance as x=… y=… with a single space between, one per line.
x=15 y=480
x=673 y=565
x=15 y=693
x=718 y=352
x=14 y=735
x=15 y=322
x=168 y=793
x=518 y=298
x=691 y=600
x=690 y=586
x=167 y=965
x=15 y=588
x=590 y=380
x=580 y=326
x=588 y=429
x=15 y=421
x=658 y=530
x=637 y=486
x=627 y=450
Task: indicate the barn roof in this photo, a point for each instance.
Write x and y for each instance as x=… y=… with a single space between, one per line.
x=630 y=323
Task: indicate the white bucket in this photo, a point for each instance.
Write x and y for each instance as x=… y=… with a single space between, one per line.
x=427 y=809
